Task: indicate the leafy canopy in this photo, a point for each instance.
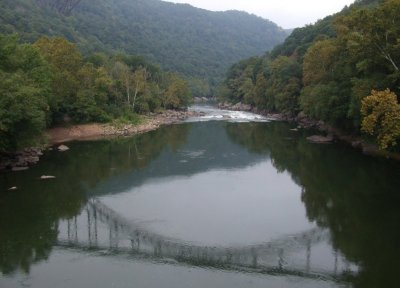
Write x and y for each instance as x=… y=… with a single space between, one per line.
x=381 y=112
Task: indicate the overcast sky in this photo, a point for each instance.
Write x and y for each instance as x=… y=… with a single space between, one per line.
x=285 y=13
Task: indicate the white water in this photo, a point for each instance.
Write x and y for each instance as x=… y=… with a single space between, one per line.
x=213 y=113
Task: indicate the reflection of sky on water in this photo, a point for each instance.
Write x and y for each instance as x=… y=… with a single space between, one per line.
x=219 y=207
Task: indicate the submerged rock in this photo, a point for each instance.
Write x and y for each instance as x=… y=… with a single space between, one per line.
x=45 y=177
x=15 y=169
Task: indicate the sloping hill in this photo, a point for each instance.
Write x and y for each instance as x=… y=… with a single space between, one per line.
x=342 y=70
x=192 y=41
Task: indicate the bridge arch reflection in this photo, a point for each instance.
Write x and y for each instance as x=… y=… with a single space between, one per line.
x=100 y=229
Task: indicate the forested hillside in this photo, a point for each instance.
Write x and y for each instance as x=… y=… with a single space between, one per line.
x=49 y=82
x=184 y=39
x=343 y=70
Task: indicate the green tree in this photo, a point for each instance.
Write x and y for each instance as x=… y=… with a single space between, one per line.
x=260 y=98
x=24 y=87
x=123 y=77
x=92 y=98
x=65 y=61
x=319 y=61
x=373 y=34
x=177 y=93
x=284 y=84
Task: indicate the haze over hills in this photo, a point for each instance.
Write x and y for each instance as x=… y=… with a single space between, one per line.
x=181 y=38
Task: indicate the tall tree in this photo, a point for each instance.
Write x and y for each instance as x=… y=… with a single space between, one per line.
x=122 y=73
x=373 y=34
x=24 y=87
x=65 y=61
x=140 y=77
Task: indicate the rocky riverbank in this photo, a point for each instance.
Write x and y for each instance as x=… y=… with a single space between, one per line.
x=330 y=133
x=95 y=131
x=25 y=158
x=21 y=160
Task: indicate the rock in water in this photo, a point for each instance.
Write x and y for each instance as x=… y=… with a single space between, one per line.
x=320 y=139
x=63 y=148
x=45 y=177
x=15 y=169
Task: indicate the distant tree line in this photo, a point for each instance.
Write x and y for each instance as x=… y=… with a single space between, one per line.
x=198 y=44
x=343 y=70
x=50 y=82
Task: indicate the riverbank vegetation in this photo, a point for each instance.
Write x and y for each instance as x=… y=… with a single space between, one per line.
x=328 y=70
x=50 y=82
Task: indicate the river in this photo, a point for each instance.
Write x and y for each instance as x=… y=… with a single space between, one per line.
x=229 y=199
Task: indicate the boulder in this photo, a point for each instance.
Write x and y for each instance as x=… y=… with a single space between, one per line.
x=301 y=115
x=224 y=106
x=320 y=139
x=321 y=126
x=357 y=144
x=63 y=148
x=32 y=160
x=241 y=107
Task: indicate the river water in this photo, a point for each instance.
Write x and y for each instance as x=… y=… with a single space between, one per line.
x=229 y=199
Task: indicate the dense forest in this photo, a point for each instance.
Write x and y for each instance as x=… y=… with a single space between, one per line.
x=198 y=44
x=343 y=70
x=49 y=82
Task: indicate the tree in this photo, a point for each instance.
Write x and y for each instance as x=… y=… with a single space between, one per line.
x=381 y=112
x=92 y=98
x=374 y=33
x=177 y=94
x=139 y=78
x=123 y=75
x=284 y=84
x=318 y=61
x=65 y=61
x=320 y=101
x=239 y=81
x=260 y=99
x=24 y=87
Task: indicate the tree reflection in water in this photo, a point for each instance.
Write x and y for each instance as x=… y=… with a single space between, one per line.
x=29 y=216
x=353 y=195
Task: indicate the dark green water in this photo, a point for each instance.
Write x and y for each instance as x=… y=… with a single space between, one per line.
x=203 y=204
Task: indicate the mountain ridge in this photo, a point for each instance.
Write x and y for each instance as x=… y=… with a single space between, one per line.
x=192 y=41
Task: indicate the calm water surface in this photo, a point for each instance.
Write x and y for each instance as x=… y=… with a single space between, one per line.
x=225 y=200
